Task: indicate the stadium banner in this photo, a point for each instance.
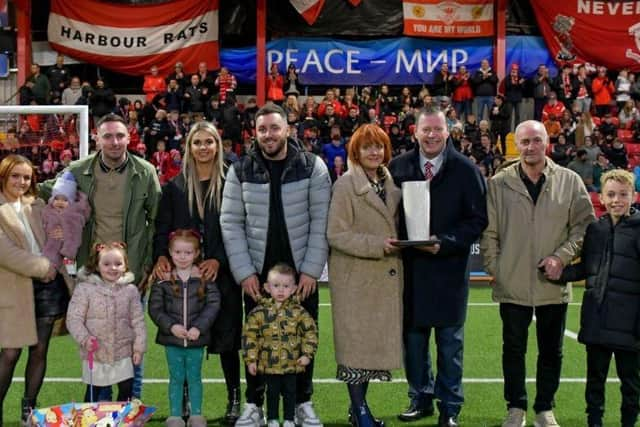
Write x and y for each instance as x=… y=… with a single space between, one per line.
x=309 y=9
x=130 y=39
x=450 y=19
x=372 y=18
x=588 y=31
x=322 y=61
x=402 y=61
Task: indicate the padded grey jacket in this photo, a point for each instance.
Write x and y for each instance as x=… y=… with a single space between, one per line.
x=244 y=215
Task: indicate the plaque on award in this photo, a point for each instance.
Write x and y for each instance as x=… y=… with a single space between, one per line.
x=416 y=201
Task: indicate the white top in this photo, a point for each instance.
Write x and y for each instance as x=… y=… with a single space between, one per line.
x=105 y=374
x=28 y=233
x=436 y=162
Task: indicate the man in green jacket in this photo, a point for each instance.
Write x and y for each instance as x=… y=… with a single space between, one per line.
x=124 y=192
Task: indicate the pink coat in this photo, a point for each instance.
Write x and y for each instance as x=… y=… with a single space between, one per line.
x=72 y=221
x=111 y=313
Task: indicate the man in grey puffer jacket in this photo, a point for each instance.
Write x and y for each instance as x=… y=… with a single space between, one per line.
x=274 y=209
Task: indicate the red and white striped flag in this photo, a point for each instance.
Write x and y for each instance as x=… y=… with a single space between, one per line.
x=130 y=39
x=309 y=9
x=446 y=18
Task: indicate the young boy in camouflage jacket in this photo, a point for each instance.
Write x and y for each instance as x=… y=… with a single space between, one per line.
x=279 y=339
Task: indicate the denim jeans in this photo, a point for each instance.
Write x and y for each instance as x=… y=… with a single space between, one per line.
x=481 y=102
x=447 y=387
x=550 y=322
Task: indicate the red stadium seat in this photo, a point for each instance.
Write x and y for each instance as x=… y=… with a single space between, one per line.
x=615 y=121
x=632 y=149
x=597 y=206
x=387 y=121
x=625 y=135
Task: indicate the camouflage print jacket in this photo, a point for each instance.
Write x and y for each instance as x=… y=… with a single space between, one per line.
x=275 y=338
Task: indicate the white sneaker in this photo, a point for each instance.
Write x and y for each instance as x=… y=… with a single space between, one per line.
x=545 y=419
x=515 y=418
x=305 y=416
x=252 y=416
x=288 y=423
x=273 y=423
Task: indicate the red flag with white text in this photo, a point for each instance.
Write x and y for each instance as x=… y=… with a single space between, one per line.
x=596 y=32
x=130 y=39
x=309 y=9
x=449 y=19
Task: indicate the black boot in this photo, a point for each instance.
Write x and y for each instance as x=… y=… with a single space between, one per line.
x=27 y=406
x=233 y=406
x=361 y=417
x=376 y=421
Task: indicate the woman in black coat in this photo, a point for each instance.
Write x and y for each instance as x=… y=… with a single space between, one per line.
x=192 y=200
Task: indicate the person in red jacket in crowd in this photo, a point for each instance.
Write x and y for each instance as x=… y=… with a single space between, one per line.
x=462 y=92
x=153 y=84
x=552 y=107
x=172 y=166
x=603 y=90
x=226 y=82
x=134 y=131
x=275 y=85
x=330 y=98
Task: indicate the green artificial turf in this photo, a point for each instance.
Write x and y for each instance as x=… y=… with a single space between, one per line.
x=484 y=404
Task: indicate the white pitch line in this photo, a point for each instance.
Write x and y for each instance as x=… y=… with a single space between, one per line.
x=567 y=332
x=471 y=304
x=318 y=380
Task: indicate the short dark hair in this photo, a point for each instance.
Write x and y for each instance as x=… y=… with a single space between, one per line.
x=271 y=109
x=429 y=110
x=111 y=117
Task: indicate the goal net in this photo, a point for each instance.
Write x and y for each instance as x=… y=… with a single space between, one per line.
x=51 y=136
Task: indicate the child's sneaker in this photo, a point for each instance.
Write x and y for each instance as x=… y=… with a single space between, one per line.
x=252 y=416
x=197 y=421
x=273 y=423
x=174 y=422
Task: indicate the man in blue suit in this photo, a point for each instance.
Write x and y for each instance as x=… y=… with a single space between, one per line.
x=437 y=277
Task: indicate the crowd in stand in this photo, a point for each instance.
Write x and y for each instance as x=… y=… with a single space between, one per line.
x=591 y=117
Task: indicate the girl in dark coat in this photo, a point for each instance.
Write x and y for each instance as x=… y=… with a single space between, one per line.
x=184 y=307
x=192 y=200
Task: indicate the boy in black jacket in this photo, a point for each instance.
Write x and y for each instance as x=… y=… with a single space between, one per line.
x=610 y=317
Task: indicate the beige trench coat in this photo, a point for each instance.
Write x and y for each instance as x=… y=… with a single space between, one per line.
x=365 y=284
x=17 y=267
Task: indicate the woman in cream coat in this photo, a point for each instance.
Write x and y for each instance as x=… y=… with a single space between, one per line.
x=25 y=277
x=365 y=270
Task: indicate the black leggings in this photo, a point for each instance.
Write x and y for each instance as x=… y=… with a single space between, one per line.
x=125 y=391
x=36 y=362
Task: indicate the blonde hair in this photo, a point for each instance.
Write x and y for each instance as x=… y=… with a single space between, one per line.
x=190 y=173
x=622 y=176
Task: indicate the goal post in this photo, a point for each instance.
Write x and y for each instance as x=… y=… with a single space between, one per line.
x=81 y=111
